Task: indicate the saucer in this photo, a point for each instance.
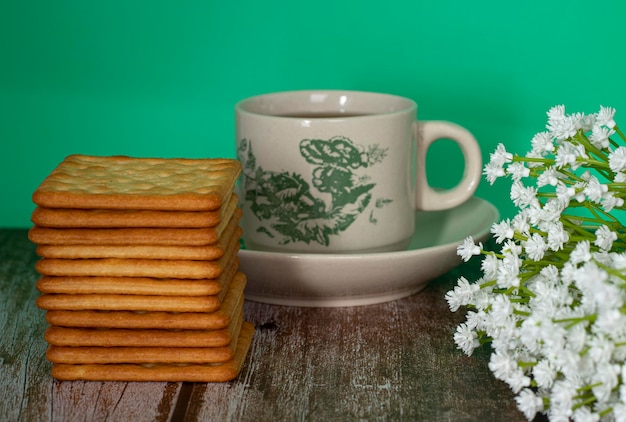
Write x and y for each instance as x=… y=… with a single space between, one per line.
x=333 y=280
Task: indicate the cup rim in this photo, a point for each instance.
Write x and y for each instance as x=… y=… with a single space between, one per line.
x=272 y=104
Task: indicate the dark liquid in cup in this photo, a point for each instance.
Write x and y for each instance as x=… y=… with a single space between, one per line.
x=321 y=115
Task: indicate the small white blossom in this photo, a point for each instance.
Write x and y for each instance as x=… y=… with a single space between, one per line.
x=466 y=339
x=594 y=189
x=517 y=171
x=605 y=117
x=502 y=230
x=600 y=136
x=492 y=172
x=581 y=252
x=468 y=249
x=605 y=238
x=489 y=266
x=548 y=177
x=529 y=403
x=461 y=295
x=542 y=143
x=557 y=236
x=610 y=201
x=617 y=160
x=536 y=247
x=523 y=196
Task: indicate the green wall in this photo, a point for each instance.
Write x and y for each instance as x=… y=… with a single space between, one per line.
x=160 y=78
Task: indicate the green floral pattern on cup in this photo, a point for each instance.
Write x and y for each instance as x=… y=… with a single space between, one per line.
x=289 y=207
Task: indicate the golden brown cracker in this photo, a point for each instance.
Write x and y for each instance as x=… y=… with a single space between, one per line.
x=195 y=253
x=138 y=285
x=99 y=218
x=130 y=236
x=230 y=306
x=121 y=337
x=119 y=182
x=226 y=371
x=155 y=268
x=154 y=355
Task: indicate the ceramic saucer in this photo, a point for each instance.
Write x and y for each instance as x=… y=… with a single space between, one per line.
x=326 y=280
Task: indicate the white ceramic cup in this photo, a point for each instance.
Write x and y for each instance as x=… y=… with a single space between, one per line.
x=340 y=171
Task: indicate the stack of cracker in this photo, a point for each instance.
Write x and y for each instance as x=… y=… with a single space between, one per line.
x=139 y=268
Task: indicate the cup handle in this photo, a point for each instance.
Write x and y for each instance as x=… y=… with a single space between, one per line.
x=428 y=199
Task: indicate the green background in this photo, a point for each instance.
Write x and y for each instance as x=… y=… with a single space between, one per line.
x=160 y=78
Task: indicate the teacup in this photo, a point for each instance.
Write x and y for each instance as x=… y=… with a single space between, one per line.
x=340 y=171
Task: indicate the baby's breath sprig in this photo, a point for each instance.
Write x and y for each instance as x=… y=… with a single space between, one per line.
x=552 y=301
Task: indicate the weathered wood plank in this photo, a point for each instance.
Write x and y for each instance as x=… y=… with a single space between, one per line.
x=27 y=391
x=393 y=361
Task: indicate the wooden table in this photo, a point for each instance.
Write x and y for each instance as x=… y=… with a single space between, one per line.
x=392 y=361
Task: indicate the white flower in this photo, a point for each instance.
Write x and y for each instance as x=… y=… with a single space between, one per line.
x=520 y=222
x=551 y=301
x=489 y=266
x=610 y=201
x=529 y=403
x=564 y=193
x=502 y=365
x=544 y=373
x=605 y=117
x=584 y=414
x=466 y=339
x=508 y=271
x=468 y=249
x=502 y=231
x=523 y=196
x=548 y=177
x=594 y=189
x=461 y=295
x=518 y=380
x=536 y=247
x=557 y=236
x=492 y=172
x=566 y=155
x=542 y=143
x=517 y=171
x=581 y=252
x=560 y=125
x=604 y=238
x=605 y=380
x=617 y=159
x=600 y=136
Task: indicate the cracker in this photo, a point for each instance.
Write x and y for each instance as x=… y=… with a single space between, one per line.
x=230 y=306
x=131 y=236
x=121 y=337
x=138 y=285
x=154 y=355
x=195 y=253
x=119 y=182
x=226 y=371
x=99 y=218
x=156 y=268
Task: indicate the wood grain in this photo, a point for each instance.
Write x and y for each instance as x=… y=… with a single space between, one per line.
x=392 y=361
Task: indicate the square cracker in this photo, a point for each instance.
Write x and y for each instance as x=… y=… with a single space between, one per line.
x=195 y=253
x=119 y=182
x=99 y=218
x=132 y=267
x=122 y=337
x=221 y=318
x=131 y=236
x=226 y=371
x=138 y=285
x=153 y=355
